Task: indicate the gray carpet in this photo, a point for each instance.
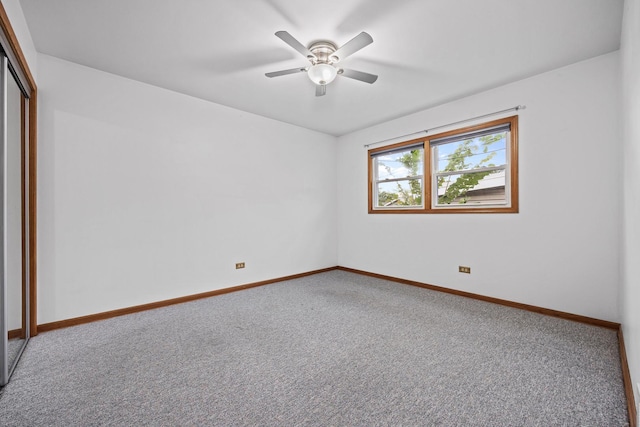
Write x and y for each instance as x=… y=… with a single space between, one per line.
x=333 y=349
x=13 y=349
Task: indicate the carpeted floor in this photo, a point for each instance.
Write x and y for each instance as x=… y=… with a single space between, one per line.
x=333 y=349
x=13 y=349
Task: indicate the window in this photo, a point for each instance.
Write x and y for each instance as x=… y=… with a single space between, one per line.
x=470 y=170
x=399 y=177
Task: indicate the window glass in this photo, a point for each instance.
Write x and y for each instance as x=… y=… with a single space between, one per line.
x=484 y=157
x=471 y=153
x=475 y=188
x=399 y=178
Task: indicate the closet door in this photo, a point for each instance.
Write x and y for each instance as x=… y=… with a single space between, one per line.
x=14 y=279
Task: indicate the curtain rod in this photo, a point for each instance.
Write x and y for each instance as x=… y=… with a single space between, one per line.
x=516 y=108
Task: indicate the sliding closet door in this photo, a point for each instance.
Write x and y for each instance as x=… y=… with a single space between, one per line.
x=14 y=272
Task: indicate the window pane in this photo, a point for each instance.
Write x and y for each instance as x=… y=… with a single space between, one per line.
x=400 y=164
x=473 y=153
x=477 y=188
x=400 y=193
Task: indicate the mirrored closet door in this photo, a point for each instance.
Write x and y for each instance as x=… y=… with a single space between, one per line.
x=14 y=251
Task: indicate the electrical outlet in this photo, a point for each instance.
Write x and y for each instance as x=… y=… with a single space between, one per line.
x=463 y=269
x=239 y=265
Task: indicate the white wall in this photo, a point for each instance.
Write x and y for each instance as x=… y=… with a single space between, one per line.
x=630 y=295
x=146 y=194
x=561 y=251
x=19 y=25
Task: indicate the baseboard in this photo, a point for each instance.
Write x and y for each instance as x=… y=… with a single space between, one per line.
x=16 y=333
x=135 y=309
x=45 y=327
x=628 y=384
x=521 y=306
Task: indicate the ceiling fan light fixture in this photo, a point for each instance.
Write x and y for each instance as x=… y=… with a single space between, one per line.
x=322 y=74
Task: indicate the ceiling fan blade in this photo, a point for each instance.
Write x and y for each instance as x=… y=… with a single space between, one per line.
x=358 y=75
x=285 y=72
x=291 y=41
x=321 y=90
x=355 y=44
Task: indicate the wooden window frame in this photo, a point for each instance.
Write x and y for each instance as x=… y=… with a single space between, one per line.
x=428 y=207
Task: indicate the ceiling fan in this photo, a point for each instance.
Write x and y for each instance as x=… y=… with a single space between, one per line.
x=324 y=56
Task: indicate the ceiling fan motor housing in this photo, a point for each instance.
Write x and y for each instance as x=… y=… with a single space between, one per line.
x=323 y=50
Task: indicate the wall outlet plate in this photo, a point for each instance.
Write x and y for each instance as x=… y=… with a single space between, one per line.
x=239 y=265
x=463 y=269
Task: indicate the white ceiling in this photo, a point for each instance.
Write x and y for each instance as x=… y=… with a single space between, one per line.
x=426 y=52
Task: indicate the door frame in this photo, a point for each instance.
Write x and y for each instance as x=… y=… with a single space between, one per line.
x=12 y=48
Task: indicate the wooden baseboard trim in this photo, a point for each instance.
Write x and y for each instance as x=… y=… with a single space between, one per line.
x=527 y=307
x=16 y=333
x=628 y=384
x=45 y=327
x=135 y=309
